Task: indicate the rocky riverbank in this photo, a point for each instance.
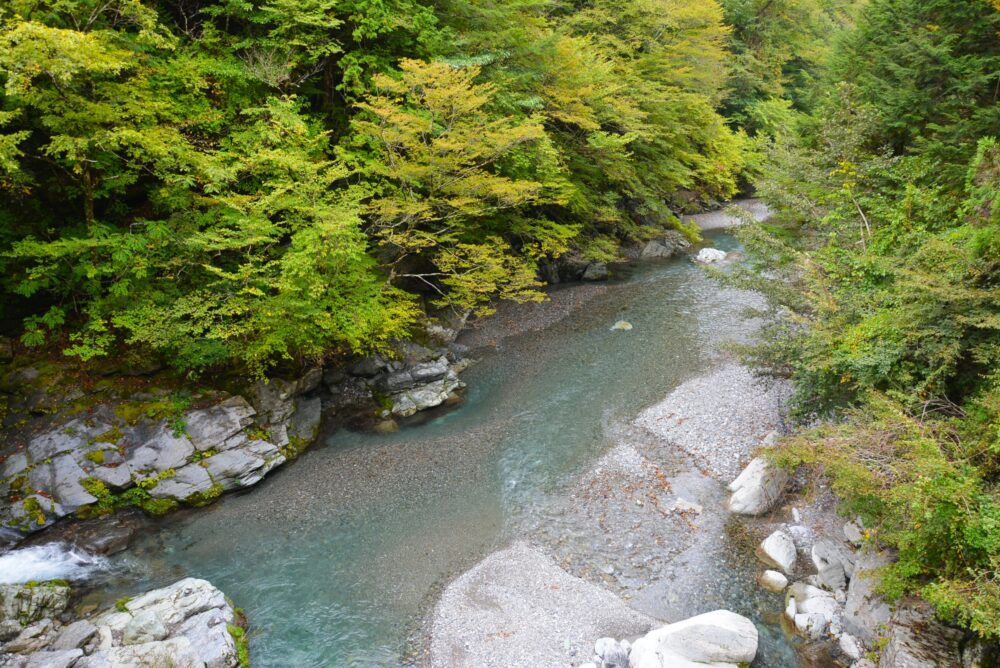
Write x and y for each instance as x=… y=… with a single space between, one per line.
x=657 y=513
x=640 y=531
x=69 y=457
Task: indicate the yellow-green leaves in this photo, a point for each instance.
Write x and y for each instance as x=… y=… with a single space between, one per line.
x=438 y=178
x=30 y=50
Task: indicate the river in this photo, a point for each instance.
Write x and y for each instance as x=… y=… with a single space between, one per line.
x=337 y=557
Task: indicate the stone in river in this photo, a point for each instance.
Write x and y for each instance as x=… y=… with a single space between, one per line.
x=778 y=550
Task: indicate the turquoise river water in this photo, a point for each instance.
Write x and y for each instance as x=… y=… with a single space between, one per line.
x=337 y=557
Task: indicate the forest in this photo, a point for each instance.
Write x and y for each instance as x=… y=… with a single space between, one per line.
x=229 y=186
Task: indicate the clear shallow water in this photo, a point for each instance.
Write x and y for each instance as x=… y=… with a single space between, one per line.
x=337 y=556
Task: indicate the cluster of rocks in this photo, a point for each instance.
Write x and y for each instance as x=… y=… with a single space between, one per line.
x=574 y=267
x=86 y=461
x=720 y=639
x=188 y=624
x=837 y=601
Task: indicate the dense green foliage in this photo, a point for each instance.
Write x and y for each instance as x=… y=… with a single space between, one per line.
x=225 y=183
x=780 y=50
x=887 y=236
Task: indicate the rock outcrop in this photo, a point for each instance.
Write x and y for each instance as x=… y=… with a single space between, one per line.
x=188 y=624
x=866 y=614
x=916 y=640
x=24 y=604
x=667 y=246
x=89 y=464
x=421 y=378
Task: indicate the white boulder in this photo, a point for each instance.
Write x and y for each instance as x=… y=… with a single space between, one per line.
x=757 y=488
x=773 y=581
x=812 y=600
x=778 y=550
x=720 y=639
x=710 y=255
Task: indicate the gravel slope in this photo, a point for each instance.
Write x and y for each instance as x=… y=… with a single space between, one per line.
x=720 y=418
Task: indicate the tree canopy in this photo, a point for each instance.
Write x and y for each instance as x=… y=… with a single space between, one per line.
x=238 y=183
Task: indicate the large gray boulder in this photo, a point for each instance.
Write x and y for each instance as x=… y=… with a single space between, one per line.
x=758 y=488
x=274 y=399
x=65 y=438
x=518 y=608
x=243 y=466
x=60 y=478
x=74 y=635
x=305 y=421
x=190 y=617
x=188 y=481
x=159 y=449
x=720 y=639
x=834 y=563
x=666 y=246
x=596 y=271
x=656 y=249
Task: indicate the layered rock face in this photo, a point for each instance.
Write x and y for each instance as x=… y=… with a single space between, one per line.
x=102 y=461
x=422 y=378
x=188 y=624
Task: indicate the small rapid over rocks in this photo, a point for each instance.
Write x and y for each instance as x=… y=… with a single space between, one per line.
x=52 y=561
